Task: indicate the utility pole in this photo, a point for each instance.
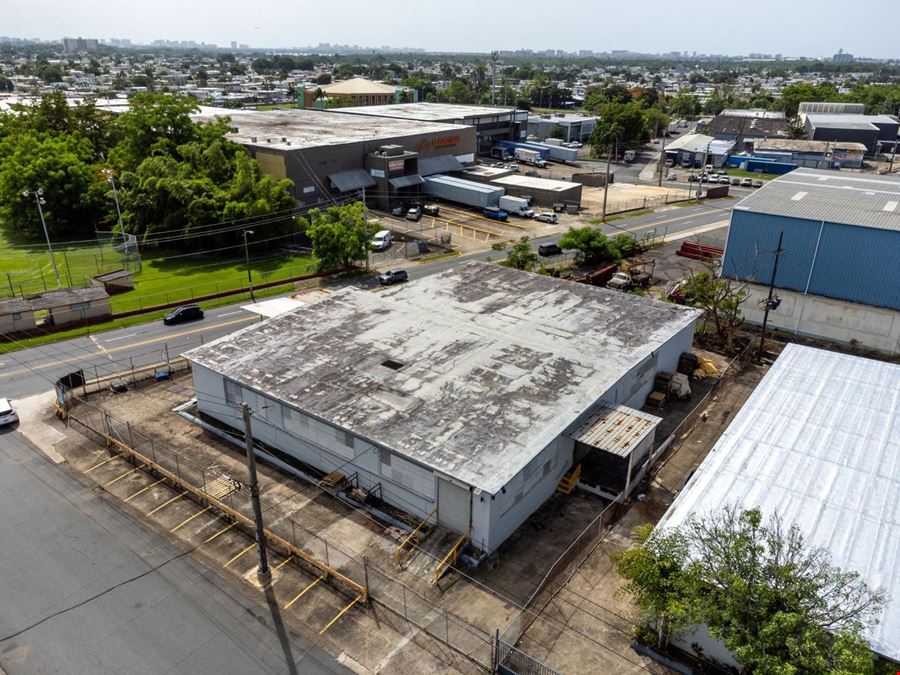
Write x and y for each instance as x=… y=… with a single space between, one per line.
x=662 y=160
x=705 y=158
x=112 y=181
x=263 y=573
x=247 y=260
x=893 y=155
x=606 y=184
x=494 y=56
x=366 y=227
x=39 y=199
x=770 y=304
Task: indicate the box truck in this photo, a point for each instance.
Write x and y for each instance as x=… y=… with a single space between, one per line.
x=517 y=206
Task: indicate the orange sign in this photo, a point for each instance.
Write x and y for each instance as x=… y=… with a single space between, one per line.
x=444 y=141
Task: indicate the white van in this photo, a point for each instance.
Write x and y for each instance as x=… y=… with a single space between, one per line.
x=381 y=240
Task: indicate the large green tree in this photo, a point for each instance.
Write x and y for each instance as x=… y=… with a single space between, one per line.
x=779 y=605
x=339 y=236
x=591 y=246
x=155 y=124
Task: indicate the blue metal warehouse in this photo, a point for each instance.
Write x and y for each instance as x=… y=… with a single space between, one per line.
x=841 y=236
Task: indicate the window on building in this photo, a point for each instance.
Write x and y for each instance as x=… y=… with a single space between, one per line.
x=78 y=306
x=16 y=316
x=234 y=393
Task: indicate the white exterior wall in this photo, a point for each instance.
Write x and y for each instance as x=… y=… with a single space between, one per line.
x=818 y=316
x=712 y=648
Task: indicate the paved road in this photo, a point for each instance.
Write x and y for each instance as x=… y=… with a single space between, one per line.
x=87 y=589
x=31 y=371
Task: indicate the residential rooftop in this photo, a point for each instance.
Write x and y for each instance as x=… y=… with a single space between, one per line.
x=308 y=128
x=472 y=372
x=818 y=444
x=813 y=194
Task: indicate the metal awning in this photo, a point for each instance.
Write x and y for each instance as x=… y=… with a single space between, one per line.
x=617 y=430
x=354 y=179
x=428 y=166
x=406 y=181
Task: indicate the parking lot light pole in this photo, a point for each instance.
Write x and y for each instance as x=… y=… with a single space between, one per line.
x=39 y=199
x=247 y=259
x=263 y=572
x=112 y=181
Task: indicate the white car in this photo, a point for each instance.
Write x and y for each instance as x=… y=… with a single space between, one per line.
x=7 y=414
x=547 y=217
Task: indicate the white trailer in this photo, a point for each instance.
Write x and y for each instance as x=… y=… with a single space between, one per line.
x=530 y=157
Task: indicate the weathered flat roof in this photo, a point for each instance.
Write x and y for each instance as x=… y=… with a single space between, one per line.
x=496 y=363
x=307 y=128
x=428 y=112
x=802 y=145
x=617 y=430
x=865 y=200
x=818 y=443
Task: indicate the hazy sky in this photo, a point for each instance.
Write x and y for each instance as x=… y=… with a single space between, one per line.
x=789 y=27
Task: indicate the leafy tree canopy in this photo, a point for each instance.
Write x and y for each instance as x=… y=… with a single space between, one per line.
x=339 y=236
x=592 y=246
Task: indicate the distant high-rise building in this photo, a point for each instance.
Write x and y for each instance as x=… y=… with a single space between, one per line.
x=234 y=44
x=842 y=57
x=72 y=45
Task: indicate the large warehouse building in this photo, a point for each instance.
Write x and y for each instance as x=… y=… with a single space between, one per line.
x=328 y=153
x=841 y=243
x=461 y=392
x=817 y=443
x=877 y=132
x=491 y=124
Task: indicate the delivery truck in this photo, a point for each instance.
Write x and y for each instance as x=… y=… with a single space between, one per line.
x=517 y=206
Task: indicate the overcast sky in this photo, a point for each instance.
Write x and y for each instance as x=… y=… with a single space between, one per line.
x=790 y=27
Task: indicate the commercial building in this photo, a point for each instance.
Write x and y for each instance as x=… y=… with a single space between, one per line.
x=816 y=444
x=877 y=132
x=698 y=150
x=491 y=124
x=744 y=130
x=329 y=153
x=461 y=392
x=830 y=108
x=564 y=126
x=812 y=154
x=841 y=246
x=543 y=191
x=356 y=91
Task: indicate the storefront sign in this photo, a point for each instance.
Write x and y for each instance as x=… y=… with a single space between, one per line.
x=444 y=141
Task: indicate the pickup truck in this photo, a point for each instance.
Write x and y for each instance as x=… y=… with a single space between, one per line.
x=494 y=213
x=621 y=281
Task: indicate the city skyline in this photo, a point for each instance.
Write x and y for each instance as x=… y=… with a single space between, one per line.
x=653 y=27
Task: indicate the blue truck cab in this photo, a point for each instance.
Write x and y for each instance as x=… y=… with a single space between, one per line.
x=494 y=213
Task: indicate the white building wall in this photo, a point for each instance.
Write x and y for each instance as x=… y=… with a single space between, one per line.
x=818 y=316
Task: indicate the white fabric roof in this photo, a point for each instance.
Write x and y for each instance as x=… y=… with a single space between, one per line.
x=818 y=442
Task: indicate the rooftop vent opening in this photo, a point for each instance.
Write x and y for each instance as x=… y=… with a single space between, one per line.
x=393 y=365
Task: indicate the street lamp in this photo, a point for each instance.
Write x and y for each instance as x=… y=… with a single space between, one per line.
x=110 y=178
x=39 y=200
x=247 y=259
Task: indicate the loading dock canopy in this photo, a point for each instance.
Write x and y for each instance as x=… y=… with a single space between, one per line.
x=406 y=181
x=428 y=166
x=354 y=179
x=616 y=430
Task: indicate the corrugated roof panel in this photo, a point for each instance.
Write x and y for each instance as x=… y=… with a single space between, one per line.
x=851 y=199
x=818 y=443
x=354 y=179
x=616 y=430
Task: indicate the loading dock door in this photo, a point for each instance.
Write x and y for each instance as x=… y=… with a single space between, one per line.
x=454 y=505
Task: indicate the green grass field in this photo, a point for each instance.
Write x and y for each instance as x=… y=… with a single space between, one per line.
x=164 y=277
x=741 y=173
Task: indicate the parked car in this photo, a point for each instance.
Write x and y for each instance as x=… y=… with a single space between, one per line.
x=494 y=213
x=671 y=176
x=431 y=210
x=708 y=168
x=8 y=414
x=414 y=213
x=182 y=314
x=693 y=178
x=392 y=277
x=757 y=183
x=549 y=249
x=746 y=182
x=547 y=217
x=735 y=180
x=399 y=211
x=381 y=241
x=670 y=163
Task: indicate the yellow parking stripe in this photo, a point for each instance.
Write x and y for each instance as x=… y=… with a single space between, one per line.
x=118 y=478
x=303 y=592
x=164 y=505
x=97 y=466
x=283 y=563
x=144 y=489
x=239 y=555
x=189 y=519
x=340 y=614
x=220 y=532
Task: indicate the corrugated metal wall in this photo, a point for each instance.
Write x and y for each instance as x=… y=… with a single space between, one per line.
x=858 y=264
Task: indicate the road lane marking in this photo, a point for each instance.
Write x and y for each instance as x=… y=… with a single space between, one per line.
x=121 y=337
x=161 y=338
x=239 y=311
